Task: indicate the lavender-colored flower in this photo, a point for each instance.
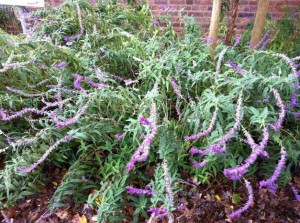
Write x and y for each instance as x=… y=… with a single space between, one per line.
x=264 y=44
x=133 y=190
x=208 y=40
x=296 y=114
x=288 y=61
x=129 y=81
x=156 y=22
x=207 y=131
x=119 y=137
x=158 y=212
x=66 y=139
x=179 y=69
x=237 y=41
x=19 y=92
x=200 y=165
x=167 y=8
x=296 y=58
x=7 y=66
x=39 y=84
x=238 y=212
x=181 y=207
x=142 y=152
x=70 y=121
x=79 y=18
x=47 y=215
x=145 y=121
x=177 y=107
x=236 y=67
x=277 y=125
x=220 y=146
x=84 y=180
x=293 y=100
x=221 y=56
x=237 y=172
x=168 y=183
x=64 y=90
x=261 y=40
x=61 y=65
x=5 y=117
x=295 y=191
x=68 y=38
x=176 y=88
x=93 y=84
x=99 y=75
x=266 y=100
x=270 y=183
x=77 y=82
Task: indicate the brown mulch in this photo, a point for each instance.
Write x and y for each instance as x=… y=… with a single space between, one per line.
x=206 y=204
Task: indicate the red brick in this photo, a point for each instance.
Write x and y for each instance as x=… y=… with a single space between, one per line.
x=201 y=10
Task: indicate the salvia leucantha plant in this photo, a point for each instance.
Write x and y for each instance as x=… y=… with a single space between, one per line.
x=122 y=102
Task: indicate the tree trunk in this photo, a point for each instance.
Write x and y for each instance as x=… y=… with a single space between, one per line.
x=259 y=23
x=214 y=25
x=233 y=14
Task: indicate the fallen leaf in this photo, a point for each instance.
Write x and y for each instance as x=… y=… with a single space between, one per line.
x=79 y=219
x=62 y=214
x=218 y=197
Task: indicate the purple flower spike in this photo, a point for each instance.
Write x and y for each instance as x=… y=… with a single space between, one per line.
x=158 y=212
x=156 y=22
x=100 y=75
x=288 y=61
x=237 y=172
x=142 y=152
x=70 y=121
x=69 y=38
x=293 y=99
x=77 y=82
x=133 y=190
x=264 y=44
x=238 y=212
x=61 y=65
x=168 y=183
x=261 y=41
x=176 y=88
x=295 y=191
x=237 y=41
x=220 y=146
x=66 y=139
x=144 y=121
x=270 y=183
x=19 y=92
x=194 y=151
x=200 y=165
x=276 y=126
x=119 y=137
x=94 y=84
x=207 y=131
x=236 y=67
x=181 y=207
x=24 y=111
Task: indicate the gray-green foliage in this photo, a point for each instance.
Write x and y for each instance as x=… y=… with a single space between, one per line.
x=127 y=44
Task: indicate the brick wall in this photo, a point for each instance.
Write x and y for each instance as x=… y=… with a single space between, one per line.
x=201 y=10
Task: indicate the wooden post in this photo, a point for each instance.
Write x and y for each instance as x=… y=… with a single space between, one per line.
x=259 y=23
x=233 y=14
x=21 y=18
x=214 y=25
